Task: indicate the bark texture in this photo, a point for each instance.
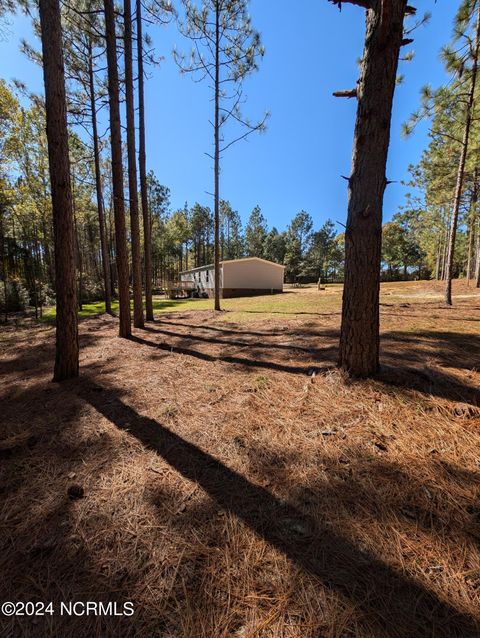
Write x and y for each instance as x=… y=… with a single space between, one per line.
x=142 y=164
x=138 y=320
x=359 y=340
x=66 y=353
x=125 y=328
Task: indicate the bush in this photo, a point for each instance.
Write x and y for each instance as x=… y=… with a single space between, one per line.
x=46 y=296
x=17 y=296
x=91 y=290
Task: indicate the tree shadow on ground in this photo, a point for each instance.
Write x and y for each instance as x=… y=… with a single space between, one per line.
x=450 y=349
x=403 y=355
x=392 y=602
x=241 y=361
x=241 y=344
x=234 y=330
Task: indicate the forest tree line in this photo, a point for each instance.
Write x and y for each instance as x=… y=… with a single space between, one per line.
x=80 y=218
x=413 y=242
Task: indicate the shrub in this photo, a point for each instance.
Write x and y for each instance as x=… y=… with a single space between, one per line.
x=17 y=296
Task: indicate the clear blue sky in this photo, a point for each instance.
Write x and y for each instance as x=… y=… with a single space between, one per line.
x=311 y=50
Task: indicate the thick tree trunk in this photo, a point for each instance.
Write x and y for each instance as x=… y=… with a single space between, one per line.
x=98 y=188
x=217 y=161
x=66 y=356
x=138 y=320
x=359 y=340
x=121 y=252
x=142 y=163
x=461 y=168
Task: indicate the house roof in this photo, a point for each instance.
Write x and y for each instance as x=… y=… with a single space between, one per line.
x=231 y=261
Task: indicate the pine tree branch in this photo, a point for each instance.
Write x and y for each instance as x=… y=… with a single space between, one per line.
x=365 y=4
x=349 y=93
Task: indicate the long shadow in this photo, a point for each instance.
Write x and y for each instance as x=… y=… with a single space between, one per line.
x=241 y=344
x=251 y=363
x=427 y=381
x=284 y=312
x=443 y=318
x=255 y=333
x=451 y=349
x=396 y=368
x=393 y=602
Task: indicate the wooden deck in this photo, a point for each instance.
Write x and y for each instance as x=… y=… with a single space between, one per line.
x=178 y=289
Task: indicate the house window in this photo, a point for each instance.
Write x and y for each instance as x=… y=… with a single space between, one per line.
x=207 y=276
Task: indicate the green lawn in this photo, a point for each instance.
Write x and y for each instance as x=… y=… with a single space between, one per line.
x=294 y=302
x=300 y=301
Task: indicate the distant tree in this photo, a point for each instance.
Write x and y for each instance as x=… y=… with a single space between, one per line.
x=293 y=260
x=300 y=228
x=255 y=233
x=125 y=328
x=142 y=164
x=392 y=253
x=227 y=49
x=359 y=339
x=321 y=251
x=201 y=225
x=231 y=237
x=83 y=48
x=98 y=180
x=461 y=64
x=297 y=242
x=178 y=226
x=275 y=246
x=138 y=318
x=337 y=257
x=448 y=167
x=159 y=211
x=66 y=358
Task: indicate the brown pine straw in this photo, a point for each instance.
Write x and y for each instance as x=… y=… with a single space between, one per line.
x=237 y=485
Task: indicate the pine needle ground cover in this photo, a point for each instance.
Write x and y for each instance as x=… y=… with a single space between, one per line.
x=220 y=474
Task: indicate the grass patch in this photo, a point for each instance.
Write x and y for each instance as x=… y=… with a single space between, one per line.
x=298 y=302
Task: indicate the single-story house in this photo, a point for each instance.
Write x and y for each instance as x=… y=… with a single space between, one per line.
x=238 y=278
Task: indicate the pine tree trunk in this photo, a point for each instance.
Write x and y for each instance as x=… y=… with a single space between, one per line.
x=66 y=356
x=359 y=340
x=477 y=258
x=121 y=252
x=437 y=262
x=3 y=260
x=98 y=188
x=142 y=162
x=471 y=233
x=78 y=251
x=138 y=320
x=461 y=168
x=471 y=229
x=217 y=160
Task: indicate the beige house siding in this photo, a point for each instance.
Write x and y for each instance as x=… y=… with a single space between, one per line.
x=252 y=275
x=238 y=278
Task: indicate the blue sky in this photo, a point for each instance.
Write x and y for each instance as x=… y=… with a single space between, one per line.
x=296 y=164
